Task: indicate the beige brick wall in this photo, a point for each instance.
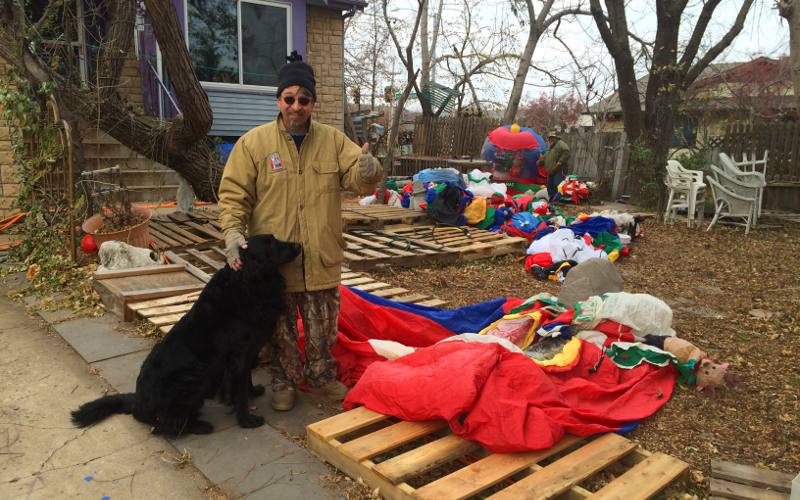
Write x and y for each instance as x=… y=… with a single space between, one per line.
x=324 y=31
x=130 y=83
x=9 y=177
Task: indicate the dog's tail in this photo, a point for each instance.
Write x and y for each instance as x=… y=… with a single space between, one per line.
x=99 y=409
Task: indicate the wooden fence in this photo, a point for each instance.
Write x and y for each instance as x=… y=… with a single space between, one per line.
x=451 y=137
x=600 y=157
x=783 y=163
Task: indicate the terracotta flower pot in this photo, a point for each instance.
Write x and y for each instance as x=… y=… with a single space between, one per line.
x=138 y=235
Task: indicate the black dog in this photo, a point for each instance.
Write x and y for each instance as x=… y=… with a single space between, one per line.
x=210 y=351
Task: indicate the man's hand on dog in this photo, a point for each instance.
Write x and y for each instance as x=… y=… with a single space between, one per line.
x=234 y=240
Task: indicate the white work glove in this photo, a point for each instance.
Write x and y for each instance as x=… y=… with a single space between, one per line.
x=367 y=164
x=234 y=240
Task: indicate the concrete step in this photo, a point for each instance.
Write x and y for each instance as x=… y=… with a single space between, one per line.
x=125 y=163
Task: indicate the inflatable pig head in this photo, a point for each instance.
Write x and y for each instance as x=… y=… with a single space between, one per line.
x=711 y=375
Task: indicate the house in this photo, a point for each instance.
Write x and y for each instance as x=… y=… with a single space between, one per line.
x=236 y=48
x=760 y=89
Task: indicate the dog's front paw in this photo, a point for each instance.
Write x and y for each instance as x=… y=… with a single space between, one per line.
x=249 y=421
x=201 y=427
x=256 y=390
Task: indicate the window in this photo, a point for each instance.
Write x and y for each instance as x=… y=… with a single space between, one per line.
x=241 y=42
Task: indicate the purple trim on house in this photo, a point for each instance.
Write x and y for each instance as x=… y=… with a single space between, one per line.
x=181 y=14
x=299 y=27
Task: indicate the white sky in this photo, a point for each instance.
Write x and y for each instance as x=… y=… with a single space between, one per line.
x=764 y=33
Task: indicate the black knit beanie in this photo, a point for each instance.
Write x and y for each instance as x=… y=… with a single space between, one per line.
x=296 y=72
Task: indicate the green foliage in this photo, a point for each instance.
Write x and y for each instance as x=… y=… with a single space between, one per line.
x=43 y=251
x=693 y=161
x=642 y=166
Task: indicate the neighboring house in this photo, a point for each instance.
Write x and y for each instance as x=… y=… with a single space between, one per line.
x=236 y=47
x=760 y=89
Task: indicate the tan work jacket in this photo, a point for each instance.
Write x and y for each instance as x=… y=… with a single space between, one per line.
x=268 y=187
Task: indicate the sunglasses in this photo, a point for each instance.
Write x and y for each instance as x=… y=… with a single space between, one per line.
x=289 y=100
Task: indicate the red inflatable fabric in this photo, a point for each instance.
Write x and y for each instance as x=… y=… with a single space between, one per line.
x=507 y=402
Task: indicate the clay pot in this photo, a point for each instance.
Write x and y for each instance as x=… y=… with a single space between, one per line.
x=138 y=235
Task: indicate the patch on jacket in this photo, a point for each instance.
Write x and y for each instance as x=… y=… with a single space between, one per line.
x=275 y=163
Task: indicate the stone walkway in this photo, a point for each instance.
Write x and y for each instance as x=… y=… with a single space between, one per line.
x=265 y=462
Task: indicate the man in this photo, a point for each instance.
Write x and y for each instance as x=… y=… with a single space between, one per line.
x=555 y=163
x=284 y=178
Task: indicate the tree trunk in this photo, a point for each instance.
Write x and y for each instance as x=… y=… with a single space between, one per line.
x=117 y=43
x=791 y=11
x=524 y=65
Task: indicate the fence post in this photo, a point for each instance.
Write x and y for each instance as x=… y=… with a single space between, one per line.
x=620 y=154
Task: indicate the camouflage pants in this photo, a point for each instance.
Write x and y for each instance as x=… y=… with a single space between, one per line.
x=320 y=314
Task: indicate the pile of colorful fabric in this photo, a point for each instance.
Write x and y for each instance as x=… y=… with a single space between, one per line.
x=572 y=188
x=526 y=379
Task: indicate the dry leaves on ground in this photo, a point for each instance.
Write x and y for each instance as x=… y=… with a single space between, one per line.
x=736 y=297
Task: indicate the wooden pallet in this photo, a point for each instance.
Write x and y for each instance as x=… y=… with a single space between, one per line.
x=394 y=456
x=369 y=248
x=405 y=245
x=470 y=242
x=119 y=290
x=730 y=480
x=377 y=216
x=164 y=313
x=176 y=230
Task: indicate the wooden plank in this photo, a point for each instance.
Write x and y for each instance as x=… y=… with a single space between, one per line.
x=328 y=451
x=388 y=438
x=156 y=293
x=367 y=287
x=426 y=457
x=357 y=281
x=168 y=319
x=344 y=423
x=391 y=292
x=644 y=480
x=206 y=229
x=487 y=472
x=138 y=271
x=149 y=312
x=176 y=228
x=745 y=474
x=166 y=301
x=432 y=303
x=166 y=240
x=414 y=297
x=215 y=264
x=737 y=491
x=190 y=268
x=568 y=471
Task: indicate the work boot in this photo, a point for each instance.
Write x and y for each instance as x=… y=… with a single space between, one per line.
x=333 y=390
x=284 y=397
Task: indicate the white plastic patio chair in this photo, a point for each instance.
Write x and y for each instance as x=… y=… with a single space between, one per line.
x=751 y=178
x=686 y=190
x=732 y=198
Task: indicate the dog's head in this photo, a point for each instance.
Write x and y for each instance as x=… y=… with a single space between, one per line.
x=264 y=250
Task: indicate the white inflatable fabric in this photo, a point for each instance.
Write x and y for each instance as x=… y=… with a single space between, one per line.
x=118 y=255
x=562 y=244
x=645 y=314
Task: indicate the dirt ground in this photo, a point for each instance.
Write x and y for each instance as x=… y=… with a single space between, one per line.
x=736 y=297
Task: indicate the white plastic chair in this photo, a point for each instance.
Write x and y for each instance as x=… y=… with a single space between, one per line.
x=751 y=178
x=686 y=190
x=732 y=198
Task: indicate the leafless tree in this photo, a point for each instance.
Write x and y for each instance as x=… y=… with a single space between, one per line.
x=674 y=66
x=537 y=25
x=180 y=144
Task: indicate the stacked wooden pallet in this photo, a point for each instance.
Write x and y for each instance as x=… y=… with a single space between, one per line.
x=175 y=230
x=377 y=216
x=412 y=245
x=407 y=460
x=165 y=312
